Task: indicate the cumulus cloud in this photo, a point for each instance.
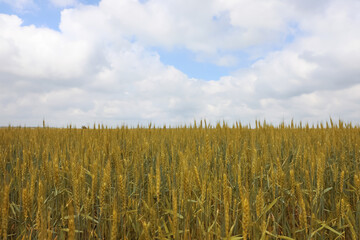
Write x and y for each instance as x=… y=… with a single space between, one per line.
x=39 y=53
x=205 y=27
x=99 y=66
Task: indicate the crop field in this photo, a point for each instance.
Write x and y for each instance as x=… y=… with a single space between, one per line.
x=198 y=181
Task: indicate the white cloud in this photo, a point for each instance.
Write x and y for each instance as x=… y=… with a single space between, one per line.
x=19 y=5
x=205 y=27
x=99 y=66
x=64 y=3
x=40 y=52
x=227 y=61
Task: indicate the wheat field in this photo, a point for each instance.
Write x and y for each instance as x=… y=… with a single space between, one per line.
x=290 y=181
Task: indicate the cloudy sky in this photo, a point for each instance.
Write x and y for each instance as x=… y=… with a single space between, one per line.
x=173 y=61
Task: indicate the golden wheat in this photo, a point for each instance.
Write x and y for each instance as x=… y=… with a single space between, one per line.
x=197 y=181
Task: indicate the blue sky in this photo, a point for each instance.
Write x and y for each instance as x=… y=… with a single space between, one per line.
x=186 y=62
x=127 y=61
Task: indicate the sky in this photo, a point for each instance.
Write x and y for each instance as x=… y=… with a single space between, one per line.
x=171 y=62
